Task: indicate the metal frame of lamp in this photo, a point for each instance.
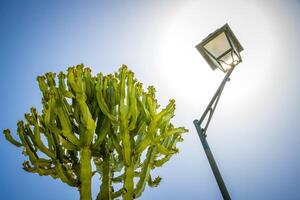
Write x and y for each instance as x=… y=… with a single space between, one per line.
x=220 y=49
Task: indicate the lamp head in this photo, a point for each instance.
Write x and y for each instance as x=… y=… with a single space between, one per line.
x=221 y=49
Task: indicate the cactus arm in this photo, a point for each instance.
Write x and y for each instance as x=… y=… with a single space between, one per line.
x=153 y=126
x=95 y=111
x=104 y=88
x=160 y=162
x=117 y=193
x=133 y=112
x=130 y=88
x=72 y=81
x=116 y=143
x=63 y=175
x=29 y=137
x=165 y=151
x=62 y=86
x=49 y=111
x=141 y=131
x=149 y=138
x=115 y=89
x=128 y=82
x=155 y=182
x=100 y=99
x=41 y=171
x=89 y=83
x=76 y=112
x=144 y=175
x=50 y=76
x=126 y=144
x=73 y=155
x=39 y=162
x=59 y=153
x=66 y=126
x=67 y=144
x=143 y=109
x=170 y=132
x=144 y=144
x=42 y=84
x=88 y=122
x=170 y=144
x=102 y=133
x=36 y=135
x=118 y=179
x=150 y=105
x=39 y=143
x=29 y=150
x=165 y=120
x=8 y=137
x=169 y=109
x=126 y=141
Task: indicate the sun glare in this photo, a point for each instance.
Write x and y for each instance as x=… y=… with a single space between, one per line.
x=186 y=76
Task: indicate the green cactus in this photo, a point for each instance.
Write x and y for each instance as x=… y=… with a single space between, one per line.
x=106 y=121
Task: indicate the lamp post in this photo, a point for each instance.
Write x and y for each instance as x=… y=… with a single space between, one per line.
x=220 y=49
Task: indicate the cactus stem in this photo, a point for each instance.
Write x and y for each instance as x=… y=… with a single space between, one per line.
x=85 y=174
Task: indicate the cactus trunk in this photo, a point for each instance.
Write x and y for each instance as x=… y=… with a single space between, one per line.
x=128 y=193
x=85 y=174
x=105 y=189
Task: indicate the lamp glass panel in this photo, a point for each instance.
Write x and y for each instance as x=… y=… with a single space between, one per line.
x=218 y=45
x=213 y=60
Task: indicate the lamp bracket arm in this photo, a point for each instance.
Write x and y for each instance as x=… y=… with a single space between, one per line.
x=209 y=111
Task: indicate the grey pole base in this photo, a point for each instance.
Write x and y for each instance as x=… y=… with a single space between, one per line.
x=212 y=162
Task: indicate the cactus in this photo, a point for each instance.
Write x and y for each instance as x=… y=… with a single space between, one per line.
x=105 y=121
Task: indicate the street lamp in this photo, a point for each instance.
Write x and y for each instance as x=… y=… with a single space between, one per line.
x=220 y=49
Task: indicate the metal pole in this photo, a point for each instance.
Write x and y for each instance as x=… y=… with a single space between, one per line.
x=212 y=162
x=202 y=135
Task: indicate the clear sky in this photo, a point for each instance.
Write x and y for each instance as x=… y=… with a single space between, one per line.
x=254 y=134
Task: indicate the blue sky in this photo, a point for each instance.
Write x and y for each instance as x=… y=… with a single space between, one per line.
x=254 y=134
